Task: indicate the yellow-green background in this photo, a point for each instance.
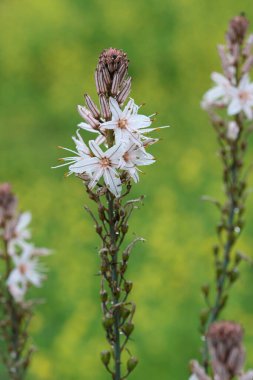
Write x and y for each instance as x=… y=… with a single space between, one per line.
x=48 y=52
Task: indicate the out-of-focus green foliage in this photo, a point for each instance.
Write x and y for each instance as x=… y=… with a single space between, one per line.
x=48 y=52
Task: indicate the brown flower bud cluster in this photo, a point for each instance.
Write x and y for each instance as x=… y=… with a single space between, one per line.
x=227 y=354
x=225 y=346
x=8 y=203
x=111 y=77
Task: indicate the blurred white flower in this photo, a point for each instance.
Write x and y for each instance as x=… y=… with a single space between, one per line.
x=232 y=130
x=247 y=376
x=220 y=94
x=193 y=377
x=242 y=98
x=26 y=271
x=20 y=233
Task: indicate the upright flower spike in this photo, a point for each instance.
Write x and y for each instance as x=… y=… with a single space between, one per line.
x=230 y=107
x=108 y=166
x=20 y=262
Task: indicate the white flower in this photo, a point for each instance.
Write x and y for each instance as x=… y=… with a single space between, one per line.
x=242 y=98
x=247 y=376
x=193 y=377
x=20 y=233
x=82 y=153
x=220 y=94
x=135 y=156
x=232 y=130
x=127 y=124
x=104 y=164
x=26 y=271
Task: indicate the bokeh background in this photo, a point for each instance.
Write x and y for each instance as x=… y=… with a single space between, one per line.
x=48 y=52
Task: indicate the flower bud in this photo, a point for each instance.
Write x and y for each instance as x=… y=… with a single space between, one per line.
x=128 y=285
x=132 y=363
x=103 y=295
x=8 y=202
x=237 y=29
x=108 y=321
x=128 y=328
x=225 y=345
x=105 y=357
x=92 y=106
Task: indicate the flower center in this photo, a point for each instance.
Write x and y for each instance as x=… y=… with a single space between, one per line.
x=22 y=268
x=105 y=162
x=244 y=96
x=122 y=123
x=126 y=156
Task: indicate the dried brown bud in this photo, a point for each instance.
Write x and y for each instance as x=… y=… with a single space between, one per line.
x=8 y=202
x=237 y=29
x=225 y=345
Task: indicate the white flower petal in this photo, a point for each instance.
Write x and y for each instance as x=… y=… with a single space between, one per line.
x=115 y=109
x=234 y=107
x=87 y=127
x=113 y=182
x=85 y=165
x=96 y=177
x=96 y=150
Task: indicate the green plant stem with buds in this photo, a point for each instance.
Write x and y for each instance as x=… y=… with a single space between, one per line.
x=112 y=226
x=229 y=229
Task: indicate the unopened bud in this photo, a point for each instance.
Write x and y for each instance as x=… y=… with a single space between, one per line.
x=124 y=228
x=128 y=285
x=132 y=363
x=92 y=106
x=237 y=29
x=115 y=84
x=225 y=345
x=128 y=328
x=124 y=92
x=99 y=229
x=105 y=357
x=103 y=295
x=108 y=321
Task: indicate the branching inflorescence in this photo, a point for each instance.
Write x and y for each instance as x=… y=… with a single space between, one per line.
x=107 y=166
x=20 y=269
x=230 y=107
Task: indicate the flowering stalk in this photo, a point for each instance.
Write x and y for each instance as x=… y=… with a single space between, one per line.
x=108 y=165
x=230 y=107
x=19 y=270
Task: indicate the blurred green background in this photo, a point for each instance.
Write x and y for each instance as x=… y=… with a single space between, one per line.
x=48 y=52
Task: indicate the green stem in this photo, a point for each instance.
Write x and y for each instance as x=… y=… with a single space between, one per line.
x=117 y=350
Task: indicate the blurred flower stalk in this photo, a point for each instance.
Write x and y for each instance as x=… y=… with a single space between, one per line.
x=19 y=270
x=230 y=107
x=108 y=165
